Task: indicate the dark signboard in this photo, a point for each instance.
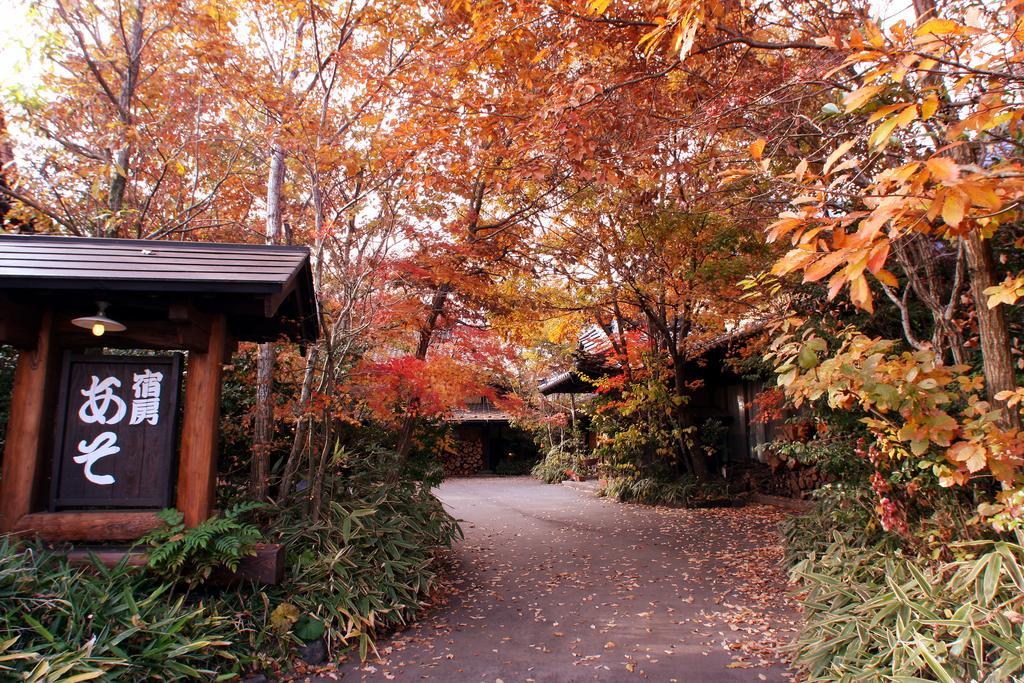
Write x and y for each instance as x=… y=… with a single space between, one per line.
x=116 y=431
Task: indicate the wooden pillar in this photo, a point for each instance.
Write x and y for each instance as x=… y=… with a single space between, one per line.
x=197 y=469
x=29 y=427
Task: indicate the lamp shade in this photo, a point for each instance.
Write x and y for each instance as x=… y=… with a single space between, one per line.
x=99 y=323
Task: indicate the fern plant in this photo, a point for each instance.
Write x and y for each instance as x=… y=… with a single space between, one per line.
x=185 y=554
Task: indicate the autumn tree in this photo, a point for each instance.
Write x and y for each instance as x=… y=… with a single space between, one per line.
x=132 y=136
x=928 y=177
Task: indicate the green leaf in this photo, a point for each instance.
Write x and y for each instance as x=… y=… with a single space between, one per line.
x=990 y=581
x=309 y=628
x=931 y=661
x=38 y=627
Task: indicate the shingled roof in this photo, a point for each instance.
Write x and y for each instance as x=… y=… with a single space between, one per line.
x=265 y=291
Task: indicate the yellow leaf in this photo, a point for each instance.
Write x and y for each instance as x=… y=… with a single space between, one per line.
x=688 y=35
x=835 y=283
x=906 y=116
x=953 y=209
x=887 y=278
x=834 y=156
x=793 y=260
x=937 y=27
x=874 y=35
x=859 y=97
x=87 y=676
x=972 y=455
x=881 y=134
x=929 y=107
x=860 y=294
x=757 y=148
x=284 y=616
x=823 y=266
x=876 y=260
x=882 y=112
x=803 y=199
x=982 y=195
x=1009 y=291
x=846 y=165
x=943 y=169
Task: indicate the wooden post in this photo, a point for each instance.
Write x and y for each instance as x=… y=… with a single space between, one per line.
x=197 y=469
x=29 y=427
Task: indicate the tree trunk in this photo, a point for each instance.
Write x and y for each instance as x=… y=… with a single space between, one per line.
x=304 y=416
x=122 y=157
x=315 y=473
x=995 y=334
x=426 y=334
x=317 y=488
x=997 y=362
x=263 y=427
x=301 y=427
x=693 y=457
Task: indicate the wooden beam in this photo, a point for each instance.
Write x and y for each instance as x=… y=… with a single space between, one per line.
x=184 y=312
x=19 y=322
x=148 y=334
x=87 y=525
x=197 y=469
x=29 y=427
x=265 y=567
x=230 y=349
x=106 y=556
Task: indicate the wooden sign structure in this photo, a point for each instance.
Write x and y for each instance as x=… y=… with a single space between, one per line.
x=200 y=298
x=116 y=431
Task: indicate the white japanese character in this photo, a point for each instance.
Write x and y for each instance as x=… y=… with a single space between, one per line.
x=102 y=446
x=147 y=384
x=145 y=410
x=99 y=396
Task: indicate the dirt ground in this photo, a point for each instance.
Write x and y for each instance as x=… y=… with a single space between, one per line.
x=553 y=584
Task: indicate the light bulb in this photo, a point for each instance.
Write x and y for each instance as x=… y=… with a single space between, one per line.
x=98 y=329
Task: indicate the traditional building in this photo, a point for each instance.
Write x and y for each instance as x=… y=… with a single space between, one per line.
x=487 y=441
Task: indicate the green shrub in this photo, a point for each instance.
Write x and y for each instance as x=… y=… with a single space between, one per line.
x=190 y=555
x=369 y=563
x=560 y=463
x=554 y=467
x=838 y=508
x=64 y=623
x=648 y=491
x=876 y=615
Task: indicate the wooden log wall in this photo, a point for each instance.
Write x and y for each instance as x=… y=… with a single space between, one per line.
x=465 y=457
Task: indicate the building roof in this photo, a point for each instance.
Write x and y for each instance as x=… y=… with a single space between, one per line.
x=460 y=416
x=482 y=410
x=590 y=362
x=569 y=382
x=265 y=291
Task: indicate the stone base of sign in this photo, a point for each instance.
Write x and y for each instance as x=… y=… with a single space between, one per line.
x=265 y=567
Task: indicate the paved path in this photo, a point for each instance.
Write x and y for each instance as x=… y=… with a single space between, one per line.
x=556 y=585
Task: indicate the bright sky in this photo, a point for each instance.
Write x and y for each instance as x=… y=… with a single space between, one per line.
x=17 y=37
x=20 y=65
